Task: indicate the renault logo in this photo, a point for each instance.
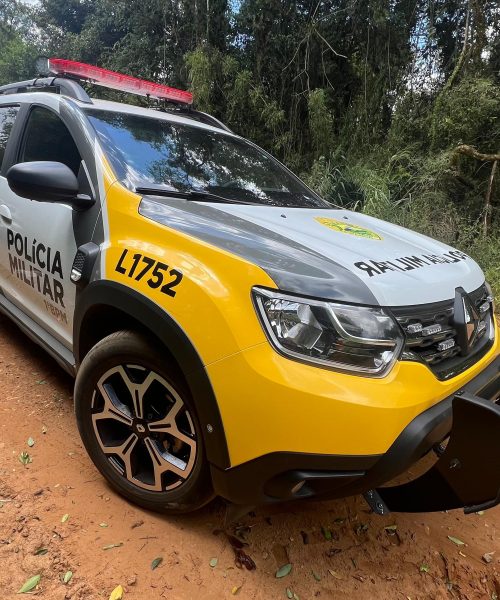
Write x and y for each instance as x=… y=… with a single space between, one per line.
x=466 y=320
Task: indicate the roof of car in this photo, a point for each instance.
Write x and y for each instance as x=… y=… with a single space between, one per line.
x=148 y=112
x=53 y=100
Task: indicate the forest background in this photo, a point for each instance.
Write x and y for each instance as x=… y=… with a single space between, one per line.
x=390 y=107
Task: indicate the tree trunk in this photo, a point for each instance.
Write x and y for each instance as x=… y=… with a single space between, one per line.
x=487 y=200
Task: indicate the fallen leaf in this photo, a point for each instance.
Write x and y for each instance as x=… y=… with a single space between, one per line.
x=289 y=593
x=316 y=576
x=30 y=442
x=391 y=527
x=213 y=562
x=40 y=551
x=156 y=562
x=41 y=382
x=284 y=571
x=117 y=593
x=235 y=589
x=109 y=546
x=67 y=576
x=44 y=429
x=456 y=541
x=327 y=534
x=65 y=518
x=241 y=559
x=424 y=568
x=103 y=524
x=488 y=557
x=30 y=584
x=25 y=458
x=480 y=513
x=335 y=574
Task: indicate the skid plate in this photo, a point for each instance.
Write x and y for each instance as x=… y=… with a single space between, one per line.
x=467 y=475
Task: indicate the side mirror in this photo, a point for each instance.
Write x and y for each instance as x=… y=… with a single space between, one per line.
x=47 y=181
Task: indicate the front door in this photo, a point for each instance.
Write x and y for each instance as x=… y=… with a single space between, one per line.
x=38 y=238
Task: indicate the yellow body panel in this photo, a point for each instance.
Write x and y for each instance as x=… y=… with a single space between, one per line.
x=268 y=403
x=213 y=302
x=289 y=406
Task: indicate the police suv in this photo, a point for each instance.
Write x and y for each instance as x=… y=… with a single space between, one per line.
x=230 y=332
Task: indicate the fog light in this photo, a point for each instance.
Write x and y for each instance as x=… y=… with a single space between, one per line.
x=445 y=345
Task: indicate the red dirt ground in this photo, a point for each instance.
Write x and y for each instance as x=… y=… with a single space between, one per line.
x=361 y=560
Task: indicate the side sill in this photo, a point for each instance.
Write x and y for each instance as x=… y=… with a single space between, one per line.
x=37 y=334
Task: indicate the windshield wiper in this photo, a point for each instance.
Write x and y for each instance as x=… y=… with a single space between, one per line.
x=198 y=195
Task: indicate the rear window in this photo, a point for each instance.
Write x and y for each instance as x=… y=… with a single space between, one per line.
x=8 y=116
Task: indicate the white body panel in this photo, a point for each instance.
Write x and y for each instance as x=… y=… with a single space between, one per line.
x=36 y=248
x=395 y=281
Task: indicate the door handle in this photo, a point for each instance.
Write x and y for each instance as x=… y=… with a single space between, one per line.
x=5 y=213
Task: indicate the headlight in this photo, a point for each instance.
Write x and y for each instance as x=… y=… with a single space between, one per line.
x=347 y=338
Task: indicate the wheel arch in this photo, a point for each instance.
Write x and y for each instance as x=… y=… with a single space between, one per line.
x=104 y=307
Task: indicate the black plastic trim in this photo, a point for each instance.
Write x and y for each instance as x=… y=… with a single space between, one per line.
x=265 y=479
x=87 y=254
x=164 y=327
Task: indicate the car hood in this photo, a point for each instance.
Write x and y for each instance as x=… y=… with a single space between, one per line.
x=333 y=254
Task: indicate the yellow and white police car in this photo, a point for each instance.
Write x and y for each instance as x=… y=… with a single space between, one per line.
x=231 y=333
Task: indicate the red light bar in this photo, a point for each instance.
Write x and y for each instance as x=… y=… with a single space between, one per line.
x=118 y=81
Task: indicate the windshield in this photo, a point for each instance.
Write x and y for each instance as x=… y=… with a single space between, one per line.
x=145 y=151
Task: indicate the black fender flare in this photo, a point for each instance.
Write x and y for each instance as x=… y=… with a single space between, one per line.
x=111 y=294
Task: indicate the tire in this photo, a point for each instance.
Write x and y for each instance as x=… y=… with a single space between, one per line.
x=138 y=423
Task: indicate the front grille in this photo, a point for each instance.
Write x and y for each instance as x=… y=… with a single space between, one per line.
x=431 y=336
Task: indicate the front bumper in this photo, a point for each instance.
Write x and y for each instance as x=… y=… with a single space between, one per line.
x=467 y=474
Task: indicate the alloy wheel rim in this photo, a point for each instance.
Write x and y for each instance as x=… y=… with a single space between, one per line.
x=143 y=428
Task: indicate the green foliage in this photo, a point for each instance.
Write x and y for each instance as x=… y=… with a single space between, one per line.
x=368 y=100
x=468 y=113
x=17 y=42
x=320 y=122
x=203 y=75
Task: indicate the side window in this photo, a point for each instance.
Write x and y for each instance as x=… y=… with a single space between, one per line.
x=47 y=138
x=7 y=117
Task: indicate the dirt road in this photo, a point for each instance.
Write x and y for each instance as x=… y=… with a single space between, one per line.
x=336 y=549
